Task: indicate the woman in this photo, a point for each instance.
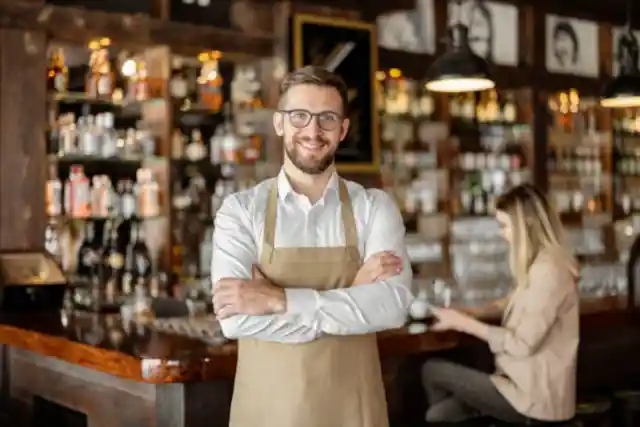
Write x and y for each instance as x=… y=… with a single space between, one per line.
x=535 y=347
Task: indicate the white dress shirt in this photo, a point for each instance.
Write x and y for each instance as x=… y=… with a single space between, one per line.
x=237 y=243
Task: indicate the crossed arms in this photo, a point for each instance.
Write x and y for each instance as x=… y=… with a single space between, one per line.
x=309 y=314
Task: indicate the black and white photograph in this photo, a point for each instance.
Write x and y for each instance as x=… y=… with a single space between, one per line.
x=617 y=41
x=409 y=30
x=571 y=46
x=493 y=29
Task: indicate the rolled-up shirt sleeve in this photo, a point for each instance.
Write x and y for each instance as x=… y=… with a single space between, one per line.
x=548 y=287
x=370 y=307
x=234 y=254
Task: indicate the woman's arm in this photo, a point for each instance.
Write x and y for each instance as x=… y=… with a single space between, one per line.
x=549 y=285
x=489 y=310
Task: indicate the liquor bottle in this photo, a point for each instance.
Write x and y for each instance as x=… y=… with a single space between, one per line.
x=53 y=195
x=87 y=253
x=100 y=80
x=178 y=86
x=148 y=194
x=196 y=149
x=210 y=81
x=77 y=193
x=57 y=73
x=509 y=110
x=142 y=82
x=492 y=107
x=128 y=274
x=113 y=261
x=141 y=254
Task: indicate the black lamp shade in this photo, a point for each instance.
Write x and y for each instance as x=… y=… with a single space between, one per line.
x=622 y=92
x=459 y=69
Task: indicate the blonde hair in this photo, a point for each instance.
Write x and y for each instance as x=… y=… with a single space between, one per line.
x=536 y=228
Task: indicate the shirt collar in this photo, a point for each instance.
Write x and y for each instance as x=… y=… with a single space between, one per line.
x=285 y=189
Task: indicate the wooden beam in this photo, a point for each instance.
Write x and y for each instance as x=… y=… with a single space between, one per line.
x=185 y=38
x=78 y=25
x=22 y=141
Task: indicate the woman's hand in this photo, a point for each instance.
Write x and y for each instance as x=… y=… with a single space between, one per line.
x=380 y=266
x=449 y=319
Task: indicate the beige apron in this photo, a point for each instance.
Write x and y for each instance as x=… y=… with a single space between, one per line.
x=334 y=381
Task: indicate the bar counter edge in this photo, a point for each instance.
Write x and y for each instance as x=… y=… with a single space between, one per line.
x=165 y=380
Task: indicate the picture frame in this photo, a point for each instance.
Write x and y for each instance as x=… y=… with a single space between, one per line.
x=571 y=46
x=493 y=29
x=350 y=49
x=616 y=35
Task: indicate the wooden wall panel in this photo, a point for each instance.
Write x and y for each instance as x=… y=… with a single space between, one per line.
x=22 y=139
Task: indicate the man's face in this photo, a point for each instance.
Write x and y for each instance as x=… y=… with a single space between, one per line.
x=311 y=125
x=564 y=49
x=480 y=33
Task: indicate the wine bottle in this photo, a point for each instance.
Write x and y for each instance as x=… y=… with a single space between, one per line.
x=87 y=253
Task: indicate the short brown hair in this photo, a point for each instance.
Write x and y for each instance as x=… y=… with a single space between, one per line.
x=319 y=76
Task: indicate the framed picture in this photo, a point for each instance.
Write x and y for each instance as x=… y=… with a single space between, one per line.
x=572 y=46
x=411 y=31
x=348 y=48
x=493 y=29
x=616 y=39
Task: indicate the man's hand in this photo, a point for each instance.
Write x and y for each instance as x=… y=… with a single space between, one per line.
x=254 y=297
x=380 y=266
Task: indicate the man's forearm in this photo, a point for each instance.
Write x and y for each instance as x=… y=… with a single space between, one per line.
x=350 y=311
x=283 y=328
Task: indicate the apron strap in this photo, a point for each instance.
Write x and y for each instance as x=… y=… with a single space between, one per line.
x=348 y=218
x=270 y=218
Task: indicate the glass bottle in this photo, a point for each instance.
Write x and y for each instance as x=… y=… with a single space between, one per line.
x=87 y=253
x=100 y=80
x=77 y=193
x=148 y=194
x=210 y=81
x=196 y=149
x=57 y=73
x=142 y=91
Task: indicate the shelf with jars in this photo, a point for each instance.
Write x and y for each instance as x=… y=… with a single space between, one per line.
x=579 y=159
x=626 y=162
x=215 y=151
x=104 y=193
x=445 y=158
x=581 y=173
x=490 y=149
x=143 y=146
x=412 y=169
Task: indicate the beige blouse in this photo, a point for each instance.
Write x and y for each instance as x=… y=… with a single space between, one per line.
x=536 y=347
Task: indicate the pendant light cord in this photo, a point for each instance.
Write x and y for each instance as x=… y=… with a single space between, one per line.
x=458 y=18
x=629 y=14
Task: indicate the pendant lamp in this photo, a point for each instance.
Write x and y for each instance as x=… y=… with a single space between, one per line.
x=459 y=69
x=624 y=90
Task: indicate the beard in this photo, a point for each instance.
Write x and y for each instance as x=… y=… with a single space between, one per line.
x=311 y=165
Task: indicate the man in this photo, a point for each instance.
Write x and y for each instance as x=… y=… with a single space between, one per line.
x=566 y=48
x=306 y=317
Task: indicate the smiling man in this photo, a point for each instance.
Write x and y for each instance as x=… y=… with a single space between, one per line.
x=306 y=268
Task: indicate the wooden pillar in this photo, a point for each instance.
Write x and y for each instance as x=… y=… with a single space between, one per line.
x=22 y=139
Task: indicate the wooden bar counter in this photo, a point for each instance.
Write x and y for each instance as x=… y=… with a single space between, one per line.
x=142 y=377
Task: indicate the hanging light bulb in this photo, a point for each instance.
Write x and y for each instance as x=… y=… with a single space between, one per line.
x=459 y=69
x=624 y=90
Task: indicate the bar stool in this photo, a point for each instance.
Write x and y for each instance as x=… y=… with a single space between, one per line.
x=626 y=408
x=593 y=414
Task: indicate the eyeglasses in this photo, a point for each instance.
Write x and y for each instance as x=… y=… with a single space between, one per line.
x=327 y=120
